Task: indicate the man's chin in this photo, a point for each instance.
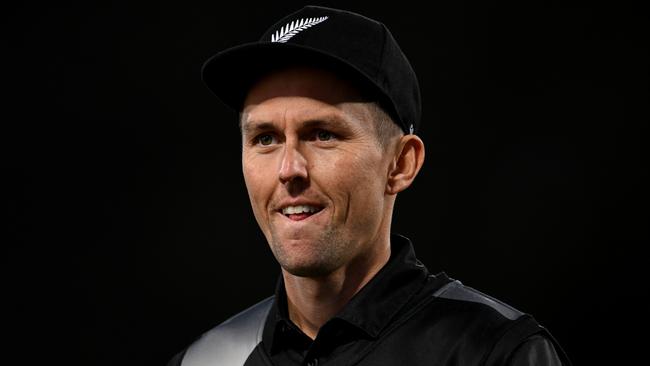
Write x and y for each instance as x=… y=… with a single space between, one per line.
x=309 y=265
x=308 y=256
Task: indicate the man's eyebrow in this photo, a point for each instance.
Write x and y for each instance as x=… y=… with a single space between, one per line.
x=328 y=121
x=252 y=127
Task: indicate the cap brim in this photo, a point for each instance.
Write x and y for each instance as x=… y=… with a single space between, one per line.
x=230 y=73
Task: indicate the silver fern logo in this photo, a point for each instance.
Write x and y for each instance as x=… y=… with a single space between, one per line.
x=291 y=29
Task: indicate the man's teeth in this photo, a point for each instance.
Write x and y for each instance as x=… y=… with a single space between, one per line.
x=298 y=209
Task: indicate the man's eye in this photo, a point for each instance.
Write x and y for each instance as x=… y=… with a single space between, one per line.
x=324 y=135
x=265 y=139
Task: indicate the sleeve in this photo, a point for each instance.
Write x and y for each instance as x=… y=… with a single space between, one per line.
x=535 y=350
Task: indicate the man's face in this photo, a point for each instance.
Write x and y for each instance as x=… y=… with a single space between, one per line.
x=309 y=145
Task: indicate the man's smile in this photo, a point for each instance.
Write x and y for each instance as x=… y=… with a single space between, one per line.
x=299 y=209
x=300 y=212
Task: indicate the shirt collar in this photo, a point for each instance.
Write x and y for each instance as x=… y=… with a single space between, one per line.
x=374 y=306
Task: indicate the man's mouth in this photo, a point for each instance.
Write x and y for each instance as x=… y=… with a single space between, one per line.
x=300 y=212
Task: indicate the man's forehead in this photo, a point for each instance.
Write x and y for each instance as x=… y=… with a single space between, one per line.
x=293 y=107
x=253 y=121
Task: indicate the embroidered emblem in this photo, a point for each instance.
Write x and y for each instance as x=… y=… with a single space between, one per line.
x=291 y=29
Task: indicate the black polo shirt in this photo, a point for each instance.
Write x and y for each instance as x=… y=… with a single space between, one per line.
x=402 y=316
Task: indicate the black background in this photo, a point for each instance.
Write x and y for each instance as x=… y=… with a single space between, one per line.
x=131 y=230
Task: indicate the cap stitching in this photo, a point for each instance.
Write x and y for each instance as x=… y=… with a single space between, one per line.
x=402 y=124
x=382 y=58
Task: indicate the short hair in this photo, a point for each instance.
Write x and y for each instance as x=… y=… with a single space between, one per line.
x=386 y=129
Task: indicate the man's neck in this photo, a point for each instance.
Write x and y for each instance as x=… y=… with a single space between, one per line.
x=313 y=301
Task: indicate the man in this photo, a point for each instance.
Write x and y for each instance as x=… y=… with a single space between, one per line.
x=329 y=106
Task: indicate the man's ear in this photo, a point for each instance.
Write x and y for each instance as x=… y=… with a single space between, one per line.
x=407 y=161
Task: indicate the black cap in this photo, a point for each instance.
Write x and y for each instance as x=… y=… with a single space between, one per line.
x=361 y=49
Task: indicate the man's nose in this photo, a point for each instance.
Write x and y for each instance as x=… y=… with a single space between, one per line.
x=293 y=165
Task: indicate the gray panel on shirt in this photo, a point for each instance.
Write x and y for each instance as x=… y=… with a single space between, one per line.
x=455 y=290
x=231 y=342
